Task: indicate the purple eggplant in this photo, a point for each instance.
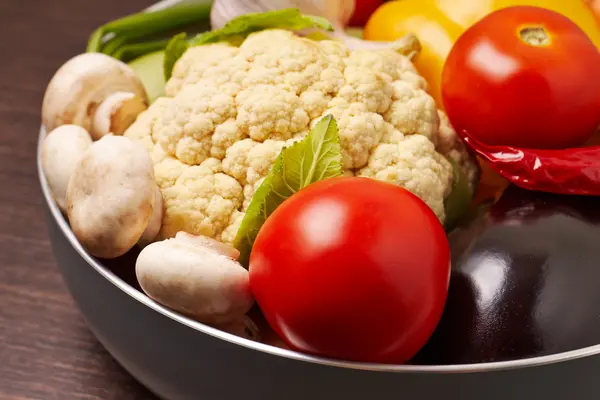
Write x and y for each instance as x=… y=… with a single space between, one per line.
x=525 y=281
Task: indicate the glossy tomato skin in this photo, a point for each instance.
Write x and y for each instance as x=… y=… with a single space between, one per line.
x=352 y=268
x=503 y=91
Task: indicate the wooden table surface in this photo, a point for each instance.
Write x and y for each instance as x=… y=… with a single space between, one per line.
x=46 y=350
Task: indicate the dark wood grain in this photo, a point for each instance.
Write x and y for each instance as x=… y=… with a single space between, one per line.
x=46 y=350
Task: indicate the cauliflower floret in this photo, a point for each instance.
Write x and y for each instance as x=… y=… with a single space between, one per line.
x=142 y=127
x=229 y=233
x=225 y=136
x=363 y=86
x=389 y=63
x=413 y=164
x=315 y=102
x=450 y=145
x=199 y=201
x=197 y=62
x=236 y=161
x=230 y=110
x=359 y=130
x=413 y=111
x=282 y=58
x=266 y=111
x=185 y=127
x=261 y=158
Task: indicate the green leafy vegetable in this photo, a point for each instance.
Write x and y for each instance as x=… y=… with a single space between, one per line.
x=175 y=49
x=128 y=52
x=242 y=26
x=289 y=18
x=317 y=157
x=139 y=28
x=459 y=200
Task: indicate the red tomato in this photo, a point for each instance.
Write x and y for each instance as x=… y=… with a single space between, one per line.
x=363 y=10
x=525 y=77
x=352 y=268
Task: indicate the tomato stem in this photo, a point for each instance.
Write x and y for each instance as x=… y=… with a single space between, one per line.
x=535 y=36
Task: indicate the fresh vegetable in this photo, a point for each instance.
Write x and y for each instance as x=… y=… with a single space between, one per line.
x=113 y=201
x=570 y=171
x=135 y=35
x=460 y=198
x=352 y=268
x=149 y=68
x=525 y=281
x=438 y=24
x=316 y=157
x=363 y=9
x=175 y=49
x=200 y=279
x=238 y=28
x=61 y=151
x=96 y=92
x=338 y=12
x=524 y=77
x=229 y=111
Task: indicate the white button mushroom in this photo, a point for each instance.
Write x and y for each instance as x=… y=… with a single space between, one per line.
x=61 y=151
x=95 y=91
x=112 y=197
x=192 y=277
x=155 y=222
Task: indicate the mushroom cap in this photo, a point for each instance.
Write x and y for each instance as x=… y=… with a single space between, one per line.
x=61 y=151
x=195 y=280
x=82 y=84
x=155 y=223
x=111 y=195
x=210 y=243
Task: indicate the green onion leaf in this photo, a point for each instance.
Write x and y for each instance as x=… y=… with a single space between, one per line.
x=128 y=52
x=317 y=157
x=145 y=25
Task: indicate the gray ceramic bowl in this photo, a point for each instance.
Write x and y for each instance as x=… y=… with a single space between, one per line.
x=180 y=359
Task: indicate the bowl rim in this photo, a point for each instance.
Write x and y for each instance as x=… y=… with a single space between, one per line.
x=276 y=351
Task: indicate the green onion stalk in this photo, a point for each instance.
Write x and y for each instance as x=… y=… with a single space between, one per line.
x=148 y=31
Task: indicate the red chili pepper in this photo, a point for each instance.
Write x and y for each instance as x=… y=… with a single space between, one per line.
x=569 y=171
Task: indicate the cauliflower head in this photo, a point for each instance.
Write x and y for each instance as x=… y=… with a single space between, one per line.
x=229 y=111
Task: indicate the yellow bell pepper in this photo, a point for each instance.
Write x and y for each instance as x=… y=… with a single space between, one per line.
x=438 y=23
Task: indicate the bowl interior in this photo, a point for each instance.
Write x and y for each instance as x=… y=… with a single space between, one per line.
x=120 y=272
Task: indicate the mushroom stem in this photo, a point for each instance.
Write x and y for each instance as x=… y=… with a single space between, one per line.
x=116 y=113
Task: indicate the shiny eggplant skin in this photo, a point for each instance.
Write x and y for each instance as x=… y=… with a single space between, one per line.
x=525 y=281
